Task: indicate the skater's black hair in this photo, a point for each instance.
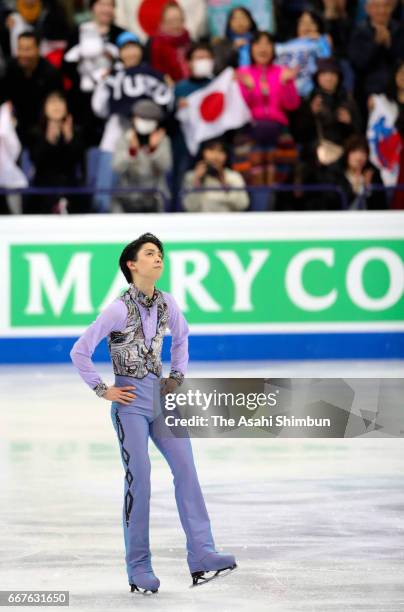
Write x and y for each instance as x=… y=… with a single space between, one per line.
x=131 y=250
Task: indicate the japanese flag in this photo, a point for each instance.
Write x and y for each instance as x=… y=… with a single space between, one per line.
x=213 y=110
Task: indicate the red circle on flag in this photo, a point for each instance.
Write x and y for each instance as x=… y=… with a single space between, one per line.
x=212 y=106
x=149 y=15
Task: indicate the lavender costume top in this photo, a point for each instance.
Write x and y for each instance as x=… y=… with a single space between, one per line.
x=134 y=325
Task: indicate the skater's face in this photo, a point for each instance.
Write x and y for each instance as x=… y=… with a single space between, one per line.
x=148 y=263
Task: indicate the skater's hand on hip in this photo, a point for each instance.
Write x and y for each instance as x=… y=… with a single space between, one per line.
x=168 y=385
x=119 y=394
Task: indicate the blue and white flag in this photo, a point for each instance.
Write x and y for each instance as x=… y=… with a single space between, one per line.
x=304 y=53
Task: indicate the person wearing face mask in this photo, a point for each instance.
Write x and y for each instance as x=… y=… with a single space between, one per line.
x=201 y=66
x=142 y=159
x=130 y=56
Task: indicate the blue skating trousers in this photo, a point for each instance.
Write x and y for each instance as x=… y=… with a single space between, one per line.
x=134 y=424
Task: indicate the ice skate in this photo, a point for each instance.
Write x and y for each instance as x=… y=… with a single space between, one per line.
x=212 y=562
x=146 y=581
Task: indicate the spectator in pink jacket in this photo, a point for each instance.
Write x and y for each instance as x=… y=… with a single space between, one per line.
x=270 y=92
x=268 y=89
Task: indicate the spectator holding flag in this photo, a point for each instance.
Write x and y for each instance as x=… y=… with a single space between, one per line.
x=303 y=52
x=384 y=130
x=398 y=93
x=201 y=65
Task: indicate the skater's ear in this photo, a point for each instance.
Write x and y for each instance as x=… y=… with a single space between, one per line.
x=131 y=265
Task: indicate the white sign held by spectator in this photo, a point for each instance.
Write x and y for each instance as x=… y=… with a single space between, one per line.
x=11 y=176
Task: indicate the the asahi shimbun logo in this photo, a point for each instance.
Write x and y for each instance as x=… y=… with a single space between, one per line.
x=235 y=282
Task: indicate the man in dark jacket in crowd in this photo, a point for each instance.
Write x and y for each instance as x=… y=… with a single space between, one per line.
x=374 y=47
x=27 y=81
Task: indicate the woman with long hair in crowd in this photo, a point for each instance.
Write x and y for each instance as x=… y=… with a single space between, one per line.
x=234 y=48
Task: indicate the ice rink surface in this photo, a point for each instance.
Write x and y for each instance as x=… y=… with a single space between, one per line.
x=315 y=524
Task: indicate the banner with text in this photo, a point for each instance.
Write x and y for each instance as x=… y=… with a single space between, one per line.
x=247 y=283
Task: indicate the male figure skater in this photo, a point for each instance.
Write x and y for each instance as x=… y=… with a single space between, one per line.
x=134 y=325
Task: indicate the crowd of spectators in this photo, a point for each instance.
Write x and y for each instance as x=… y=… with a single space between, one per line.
x=90 y=91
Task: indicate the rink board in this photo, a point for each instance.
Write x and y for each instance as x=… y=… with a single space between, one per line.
x=257 y=286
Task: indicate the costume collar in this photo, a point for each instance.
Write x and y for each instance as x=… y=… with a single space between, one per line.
x=142 y=298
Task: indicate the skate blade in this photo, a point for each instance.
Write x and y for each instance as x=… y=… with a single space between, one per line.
x=218 y=574
x=147 y=592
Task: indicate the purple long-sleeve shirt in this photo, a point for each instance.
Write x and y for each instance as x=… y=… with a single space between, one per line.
x=114 y=318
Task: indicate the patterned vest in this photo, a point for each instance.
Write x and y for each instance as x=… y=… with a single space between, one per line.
x=129 y=353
